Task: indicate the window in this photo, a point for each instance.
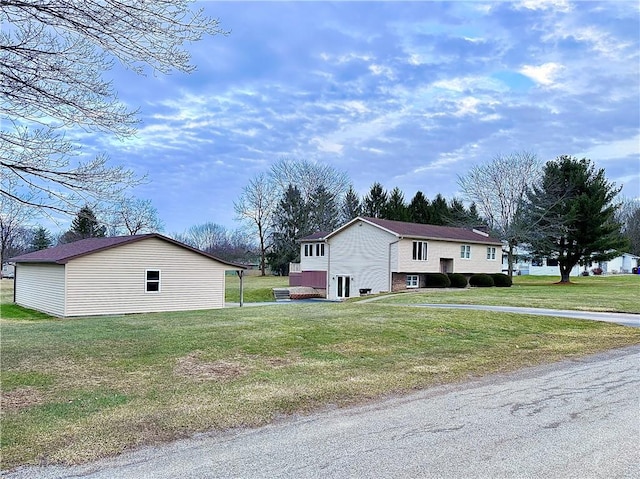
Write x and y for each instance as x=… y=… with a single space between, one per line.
x=465 y=251
x=420 y=250
x=491 y=253
x=153 y=281
x=552 y=261
x=309 y=248
x=536 y=261
x=412 y=281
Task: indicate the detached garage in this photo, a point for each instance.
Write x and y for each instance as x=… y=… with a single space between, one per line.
x=119 y=275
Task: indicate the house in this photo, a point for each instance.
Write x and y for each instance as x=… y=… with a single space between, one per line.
x=539 y=266
x=621 y=264
x=371 y=255
x=118 y=275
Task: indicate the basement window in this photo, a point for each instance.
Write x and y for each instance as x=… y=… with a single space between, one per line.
x=153 y=281
x=412 y=281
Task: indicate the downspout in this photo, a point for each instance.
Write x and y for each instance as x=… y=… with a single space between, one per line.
x=15 y=281
x=328 y=270
x=389 y=263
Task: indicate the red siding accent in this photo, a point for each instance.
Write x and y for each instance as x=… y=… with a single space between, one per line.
x=295 y=279
x=314 y=279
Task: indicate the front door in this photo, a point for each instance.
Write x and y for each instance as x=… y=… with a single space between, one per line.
x=446 y=265
x=344 y=285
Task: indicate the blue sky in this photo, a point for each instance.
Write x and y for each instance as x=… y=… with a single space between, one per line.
x=409 y=94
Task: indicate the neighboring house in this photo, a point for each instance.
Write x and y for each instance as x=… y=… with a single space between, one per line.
x=125 y=274
x=371 y=255
x=7 y=270
x=539 y=266
x=621 y=264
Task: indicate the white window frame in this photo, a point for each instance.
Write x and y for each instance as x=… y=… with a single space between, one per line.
x=420 y=251
x=413 y=281
x=465 y=251
x=319 y=249
x=491 y=253
x=148 y=281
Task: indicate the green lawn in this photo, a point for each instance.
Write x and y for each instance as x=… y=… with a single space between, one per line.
x=257 y=289
x=616 y=293
x=77 y=389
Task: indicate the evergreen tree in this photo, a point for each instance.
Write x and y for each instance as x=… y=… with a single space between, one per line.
x=396 y=208
x=419 y=211
x=323 y=210
x=375 y=202
x=439 y=211
x=291 y=222
x=574 y=215
x=458 y=214
x=84 y=225
x=351 y=207
x=41 y=239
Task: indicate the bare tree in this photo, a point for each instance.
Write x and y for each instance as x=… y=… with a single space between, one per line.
x=629 y=217
x=499 y=191
x=53 y=54
x=215 y=239
x=255 y=208
x=14 y=217
x=135 y=216
x=307 y=176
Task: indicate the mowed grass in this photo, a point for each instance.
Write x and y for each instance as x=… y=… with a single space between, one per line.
x=257 y=289
x=615 y=293
x=78 y=389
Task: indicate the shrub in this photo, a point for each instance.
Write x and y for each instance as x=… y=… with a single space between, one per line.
x=458 y=280
x=481 y=281
x=501 y=280
x=437 y=280
x=597 y=271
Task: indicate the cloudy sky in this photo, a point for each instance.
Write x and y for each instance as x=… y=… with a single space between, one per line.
x=409 y=94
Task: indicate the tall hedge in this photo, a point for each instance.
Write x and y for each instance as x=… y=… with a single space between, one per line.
x=501 y=280
x=437 y=280
x=458 y=280
x=481 y=281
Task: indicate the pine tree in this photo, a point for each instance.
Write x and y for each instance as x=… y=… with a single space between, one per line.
x=419 y=211
x=375 y=202
x=323 y=210
x=574 y=215
x=41 y=239
x=351 y=207
x=291 y=222
x=439 y=211
x=84 y=225
x=396 y=208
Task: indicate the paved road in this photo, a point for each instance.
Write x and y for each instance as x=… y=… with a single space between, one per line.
x=575 y=419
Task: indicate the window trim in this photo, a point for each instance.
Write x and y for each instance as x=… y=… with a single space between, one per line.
x=465 y=251
x=148 y=281
x=410 y=284
x=420 y=250
x=491 y=253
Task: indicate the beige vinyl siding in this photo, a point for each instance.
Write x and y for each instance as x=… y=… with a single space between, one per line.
x=362 y=253
x=41 y=287
x=114 y=281
x=477 y=263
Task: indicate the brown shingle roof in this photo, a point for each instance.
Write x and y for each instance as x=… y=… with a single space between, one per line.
x=318 y=235
x=415 y=230
x=64 y=253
